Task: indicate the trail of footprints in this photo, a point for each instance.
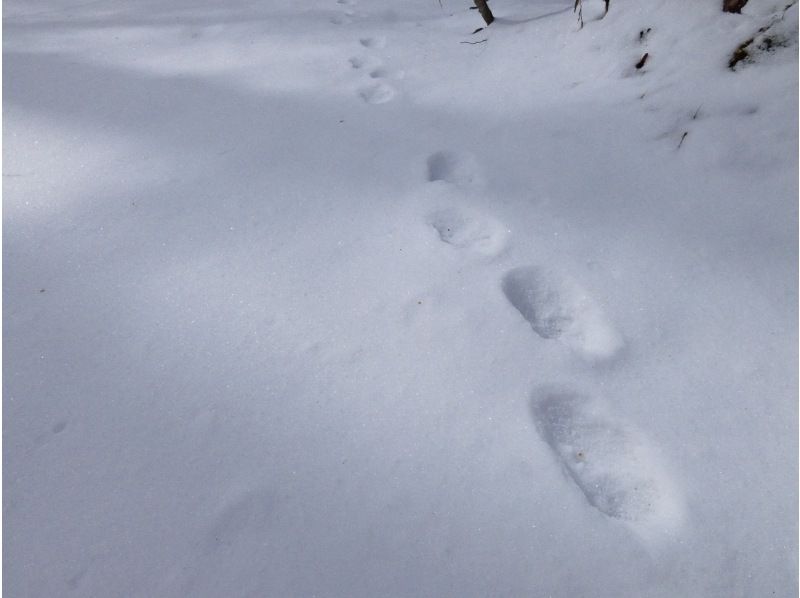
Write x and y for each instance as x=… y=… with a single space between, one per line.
x=608 y=460
x=612 y=463
x=378 y=90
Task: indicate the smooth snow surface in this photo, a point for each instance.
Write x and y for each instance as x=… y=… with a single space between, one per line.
x=313 y=299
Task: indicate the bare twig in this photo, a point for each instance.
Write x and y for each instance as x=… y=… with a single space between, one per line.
x=579 y=9
x=486 y=12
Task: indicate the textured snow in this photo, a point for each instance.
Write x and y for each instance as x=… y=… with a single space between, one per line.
x=313 y=299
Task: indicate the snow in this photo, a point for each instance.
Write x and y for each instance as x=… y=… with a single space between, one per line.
x=314 y=299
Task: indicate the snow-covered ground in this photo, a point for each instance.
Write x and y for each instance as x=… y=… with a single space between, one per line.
x=317 y=299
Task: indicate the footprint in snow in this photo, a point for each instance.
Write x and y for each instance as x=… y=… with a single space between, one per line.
x=380 y=93
x=356 y=62
x=458 y=168
x=468 y=229
x=382 y=73
x=611 y=462
x=556 y=307
x=373 y=42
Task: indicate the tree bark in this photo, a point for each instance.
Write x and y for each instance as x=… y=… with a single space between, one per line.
x=733 y=5
x=486 y=12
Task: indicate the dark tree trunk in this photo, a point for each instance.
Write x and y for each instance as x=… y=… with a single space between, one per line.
x=486 y=12
x=733 y=5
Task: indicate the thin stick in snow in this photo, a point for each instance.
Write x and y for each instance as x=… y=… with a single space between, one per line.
x=486 y=12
